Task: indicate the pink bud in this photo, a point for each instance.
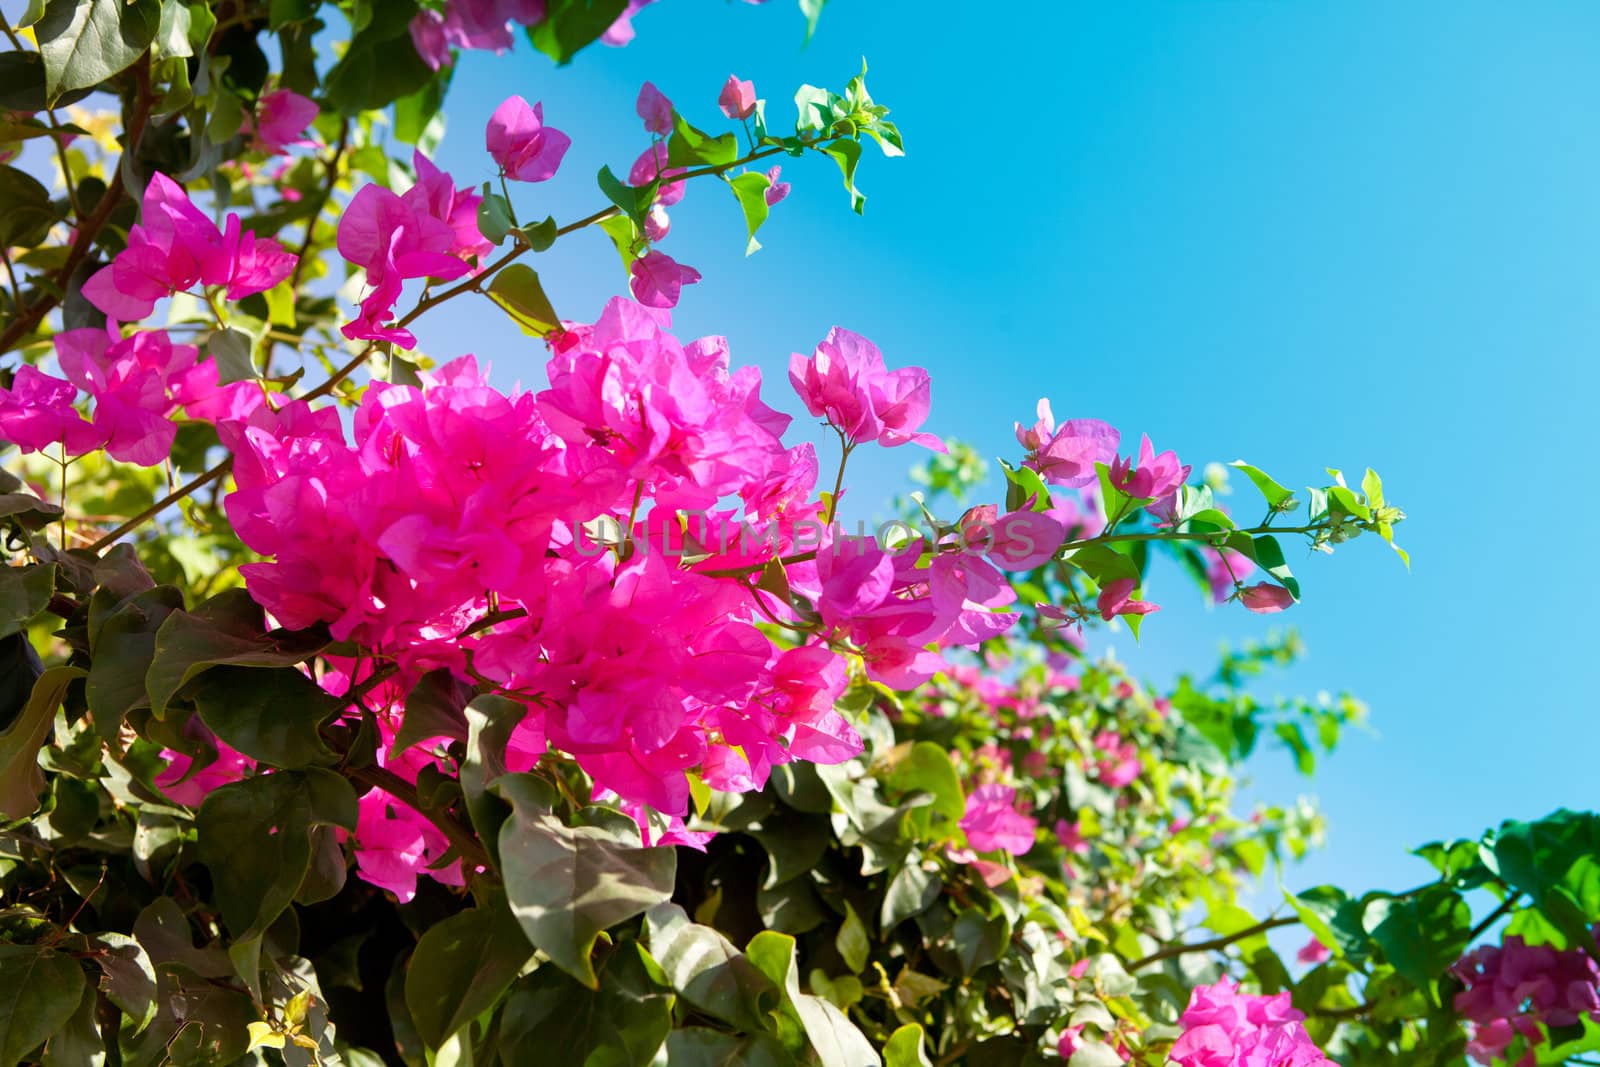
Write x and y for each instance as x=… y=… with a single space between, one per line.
x=738 y=99
x=1265 y=598
x=655 y=109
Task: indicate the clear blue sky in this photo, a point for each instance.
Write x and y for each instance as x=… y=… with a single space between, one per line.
x=1306 y=234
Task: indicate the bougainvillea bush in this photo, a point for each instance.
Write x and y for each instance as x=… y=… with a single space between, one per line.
x=357 y=710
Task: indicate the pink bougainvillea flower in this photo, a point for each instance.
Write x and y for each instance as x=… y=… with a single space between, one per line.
x=1120 y=765
x=655 y=109
x=992 y=822
x=175 y=247
x=526 y=149
x=37 y=412
x=1066 y=455
x=430 y=232
x=738 y=98
x=130 y=379
x=1313 y=951
x=470 y=24
x=281 y=117
x=845 y=381
x=657 y=279
x=651 y=165
x=1071 y=839
x=1265 y=598
x=1226 y=1028
x=620 y=32
x=657 y=224
x=1116 y=598
x=1516 y=989
x=776 y=191
x=1155 y=477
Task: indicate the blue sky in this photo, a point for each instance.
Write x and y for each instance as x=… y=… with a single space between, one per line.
x=1305 y=234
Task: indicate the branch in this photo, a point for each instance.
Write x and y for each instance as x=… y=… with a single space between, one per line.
x=1173 y=951
x=28 y=319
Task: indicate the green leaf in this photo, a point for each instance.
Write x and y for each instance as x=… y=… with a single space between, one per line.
x=690 y=147
x=231 y=351
x=26 y=213
x=1422 y=935
x=21 y=781
x=540 y=235
x=1269 y=555
x=852 y=941
x=751 y=192
x=86 y=42
x=632 y=200
x=494 y=216
x=625 y=237
x=39 y=991
x=24 y=592
x=695 y=1046
x=78 y=1042
x=847 y=154
x=1275 y=494
x=516 y=289
x=1553 y=860
x=812 y=10
x=911 y=891
x=924 y=767
x=122 y=643
x=127 y=976
x=271 y=716
x=622 y=1025
x=834 y=1038
x=461 y=967
x=228 y=629
x=571 y=25
x=567 y=884
x=381 y=65
x=708 y=971
x=254 y=835
x=906 y=1048
x=436 y=707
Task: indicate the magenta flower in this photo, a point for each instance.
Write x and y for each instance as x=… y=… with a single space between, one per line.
x=281 y=117
x=1265 y=598
x=1313 y=952
x=130 y=379
x=654 y=107
x=430 y=232
x=1116 y=598
x=657 y=279
x=738 y=98
x=776 y=191
x=470 y=24
x=621 y=31
x=1066 y=455
x=1120 y=766
x=1226 y=1028
x=1071 y=839
x=175 y=247
x=1155 y=477
x=37 y=412
x=845 y=381
x=526 y=149
x=992 y=822
x=651 y=165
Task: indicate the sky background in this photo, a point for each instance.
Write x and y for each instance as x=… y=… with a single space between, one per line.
x=1304 y=234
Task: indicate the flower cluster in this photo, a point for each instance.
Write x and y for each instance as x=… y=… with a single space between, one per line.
x=1517 y=990
x=1223 y=1027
